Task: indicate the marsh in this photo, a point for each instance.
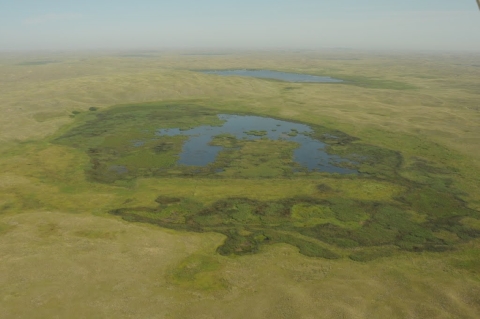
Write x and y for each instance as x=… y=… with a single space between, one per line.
x=310 y=153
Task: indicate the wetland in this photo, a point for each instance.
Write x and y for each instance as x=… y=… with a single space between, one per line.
x=128 y=142
x=192 y=141
x=205 y=142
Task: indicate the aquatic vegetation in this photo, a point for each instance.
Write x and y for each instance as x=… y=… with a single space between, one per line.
x=256 y=133
x=161 y=139
x=313 y=225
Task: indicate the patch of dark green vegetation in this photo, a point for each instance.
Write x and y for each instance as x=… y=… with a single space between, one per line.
x=256 y=133
x=74 y=113
x=292 y=132
x=370 y=229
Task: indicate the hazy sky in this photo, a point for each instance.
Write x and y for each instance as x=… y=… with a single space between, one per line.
x=267 y=24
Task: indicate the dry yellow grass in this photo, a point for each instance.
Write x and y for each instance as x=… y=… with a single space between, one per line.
x=82 y=266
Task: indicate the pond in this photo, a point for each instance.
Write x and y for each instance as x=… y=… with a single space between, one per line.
x=310 y=153
x=276 y=75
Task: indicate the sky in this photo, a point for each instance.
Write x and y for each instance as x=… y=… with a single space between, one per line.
x=59 y=25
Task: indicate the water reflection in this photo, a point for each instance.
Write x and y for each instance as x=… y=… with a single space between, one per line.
x=310 y=153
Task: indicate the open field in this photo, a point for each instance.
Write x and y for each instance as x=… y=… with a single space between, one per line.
x=91 y=226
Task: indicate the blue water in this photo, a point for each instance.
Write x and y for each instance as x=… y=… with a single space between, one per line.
x=283 y=76
x=310 y=153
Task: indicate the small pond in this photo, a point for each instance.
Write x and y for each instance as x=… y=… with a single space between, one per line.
x=310 y=153
x=276 y=75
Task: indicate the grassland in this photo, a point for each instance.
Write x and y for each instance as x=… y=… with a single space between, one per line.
x=399 y=239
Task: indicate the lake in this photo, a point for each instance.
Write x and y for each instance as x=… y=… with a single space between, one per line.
x=276 y=75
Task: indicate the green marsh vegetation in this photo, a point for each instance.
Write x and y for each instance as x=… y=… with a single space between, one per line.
x=96 y=196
